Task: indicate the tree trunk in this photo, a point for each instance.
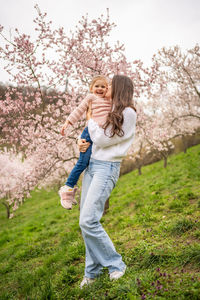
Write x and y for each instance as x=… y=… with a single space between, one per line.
x=7 y=209
x=184 y=142
x=140 y=170
x=165 y=162
x=106 y=207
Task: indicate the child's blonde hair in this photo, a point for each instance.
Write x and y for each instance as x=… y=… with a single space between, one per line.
x=98 y=77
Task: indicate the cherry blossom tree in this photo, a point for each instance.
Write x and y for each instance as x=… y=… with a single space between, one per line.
x=50 y=74
x=176 y=90
x=179 y=73
x=170 y=110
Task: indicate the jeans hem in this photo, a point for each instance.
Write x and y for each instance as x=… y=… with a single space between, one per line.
x=117 y=269
x=69 y=185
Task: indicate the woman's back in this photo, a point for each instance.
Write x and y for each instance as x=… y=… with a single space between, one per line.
x=114 y=148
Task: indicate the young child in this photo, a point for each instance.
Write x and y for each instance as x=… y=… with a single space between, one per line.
x=100 y=104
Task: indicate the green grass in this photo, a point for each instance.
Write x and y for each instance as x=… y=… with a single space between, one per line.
x=153 y=220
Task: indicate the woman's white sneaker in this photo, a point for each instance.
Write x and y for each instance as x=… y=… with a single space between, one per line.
x=117 y=274
x=86 y=281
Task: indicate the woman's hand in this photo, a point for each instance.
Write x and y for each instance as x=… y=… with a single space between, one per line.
x=83 y=145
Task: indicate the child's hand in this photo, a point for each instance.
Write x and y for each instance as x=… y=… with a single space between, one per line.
x=89 y=112
x=64 y=127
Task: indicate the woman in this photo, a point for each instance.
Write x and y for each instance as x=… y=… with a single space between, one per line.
x=110 y=145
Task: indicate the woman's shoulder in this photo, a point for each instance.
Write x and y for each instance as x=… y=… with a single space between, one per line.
x=129 y=112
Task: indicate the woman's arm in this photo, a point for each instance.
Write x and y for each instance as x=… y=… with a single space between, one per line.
x=100 y=139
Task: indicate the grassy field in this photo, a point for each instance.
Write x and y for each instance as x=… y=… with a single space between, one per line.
x=153 y=220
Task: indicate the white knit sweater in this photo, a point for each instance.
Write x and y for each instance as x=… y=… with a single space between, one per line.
x=115 y=148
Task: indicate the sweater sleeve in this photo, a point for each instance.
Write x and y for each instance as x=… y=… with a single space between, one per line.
x=76 y=115
x=101 y=140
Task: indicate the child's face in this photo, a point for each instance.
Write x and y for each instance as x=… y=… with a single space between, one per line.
x=99 y=88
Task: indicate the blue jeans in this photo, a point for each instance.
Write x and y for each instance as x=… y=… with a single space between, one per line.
x=82 y=162
x=99 y=180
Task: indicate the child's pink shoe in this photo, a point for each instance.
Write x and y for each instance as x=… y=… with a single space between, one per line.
x=67 y=197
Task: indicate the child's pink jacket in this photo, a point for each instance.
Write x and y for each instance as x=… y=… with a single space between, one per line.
x=100 y=109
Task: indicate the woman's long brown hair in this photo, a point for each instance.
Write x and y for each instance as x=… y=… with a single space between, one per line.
x=122 y=97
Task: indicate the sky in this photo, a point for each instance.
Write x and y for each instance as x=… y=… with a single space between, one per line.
x=144 y=26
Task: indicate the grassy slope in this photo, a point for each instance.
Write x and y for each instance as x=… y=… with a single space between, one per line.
x=154 y=222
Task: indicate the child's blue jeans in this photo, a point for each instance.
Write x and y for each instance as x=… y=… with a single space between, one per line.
x=83 y=161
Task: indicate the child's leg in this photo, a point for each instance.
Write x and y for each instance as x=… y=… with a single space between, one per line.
x=82 y=163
